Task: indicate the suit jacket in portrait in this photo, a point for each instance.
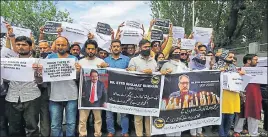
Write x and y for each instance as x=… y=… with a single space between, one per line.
x=101 y=94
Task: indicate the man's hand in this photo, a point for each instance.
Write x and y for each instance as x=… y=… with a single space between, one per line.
x=152 y=22
x=170 y=30
x=41 y=29
x=147 y=71
x=222 y=69
x=143 y=31
x=38 y=68
x=59 y=30
x=104 y=105
x=121 y=25
x=103 y=65
x=112 y=31
x=131 y=69
x=191 y=36
x=118 y=35
x=77 y=67
x=90 y=35
x=242 y=72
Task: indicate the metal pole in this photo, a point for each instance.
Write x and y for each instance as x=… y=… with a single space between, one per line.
x=193 y=15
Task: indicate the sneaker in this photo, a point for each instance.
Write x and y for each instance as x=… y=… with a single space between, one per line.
x=110 y=135
x=244 y=132
x=200 y=134
x=236 y=134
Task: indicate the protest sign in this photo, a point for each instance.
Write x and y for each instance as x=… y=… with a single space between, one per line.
x=258 y=74
x=190 y=100
x=130 y=35
x=178 y=32
x=58 y=69
x=21 y=31
x=162 y=23
x=188 y=44
x=51 y=27
x=74 y=32
x=262 y=62
x=202 y=35
x=133 y=24
x=233 y=81
x=88 y=77
x=3 y=25
x=17 y=69
x=136 y=94
x=8 y=53
x=157 y=35
x=103 y=28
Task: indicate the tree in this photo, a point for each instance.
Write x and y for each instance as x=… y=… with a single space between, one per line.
x=32 y=14
x=235 y=23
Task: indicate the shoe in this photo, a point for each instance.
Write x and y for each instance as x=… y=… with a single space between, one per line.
x=244 y=132
x=236 y=134
x=125 y=135
x=200 y=134
x=110 y=135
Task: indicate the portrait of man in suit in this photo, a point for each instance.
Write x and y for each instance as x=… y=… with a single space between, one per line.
x=184 y=87
x=93 y=91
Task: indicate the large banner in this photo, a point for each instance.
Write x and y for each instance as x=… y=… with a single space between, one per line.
x=120 y=91
x=190 y=100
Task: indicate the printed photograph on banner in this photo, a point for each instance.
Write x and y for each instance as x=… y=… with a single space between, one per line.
x=199 y=62
x=93 y=88
x=132 y=93
x=190 y=100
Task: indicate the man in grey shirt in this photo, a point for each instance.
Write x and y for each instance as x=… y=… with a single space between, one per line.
x=146 y=64
x=23 y=97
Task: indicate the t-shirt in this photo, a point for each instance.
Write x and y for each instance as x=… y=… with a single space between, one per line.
x=63 y=90
x=85 y=62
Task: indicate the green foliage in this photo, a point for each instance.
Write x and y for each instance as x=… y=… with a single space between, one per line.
x=235 y=23
x=32 y=14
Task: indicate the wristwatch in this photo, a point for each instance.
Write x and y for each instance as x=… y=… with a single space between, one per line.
x=11 y=35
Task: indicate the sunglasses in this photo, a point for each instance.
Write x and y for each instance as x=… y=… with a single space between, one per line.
x=156 y=45
x=183 y=54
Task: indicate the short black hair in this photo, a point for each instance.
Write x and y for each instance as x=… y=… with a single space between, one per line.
x=93 y=71
x=200 y=46
x=25 y=39
x=235 y=58
x=75 y=45
x=143 y=42
x=93 y=42
x=171 y=52
x=153 y=42
x=158 y=54
x=248 y=57
x=116 y=40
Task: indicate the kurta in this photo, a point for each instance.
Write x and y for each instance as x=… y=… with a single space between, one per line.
x=253 y=104
x=230 y=102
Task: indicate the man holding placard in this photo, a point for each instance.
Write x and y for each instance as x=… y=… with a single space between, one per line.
x=63 y=94
x=23 y=97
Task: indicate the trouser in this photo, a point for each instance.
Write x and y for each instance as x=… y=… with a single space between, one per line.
x=110 y=122
x=3 y=120
x=29 y=112
x=252 y=126
x=139 y=125
x=44 y=113
x=265 y=110
x=56 y=114
x=226 y=123
x=83 y=116
x=196 y=131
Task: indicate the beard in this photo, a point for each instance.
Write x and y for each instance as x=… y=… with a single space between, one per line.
x=116 y=53
x=90 y=55
x=24 y=53
x=62 y=52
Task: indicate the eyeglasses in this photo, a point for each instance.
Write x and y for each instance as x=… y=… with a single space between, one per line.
x=156 y=45
x=183 y=54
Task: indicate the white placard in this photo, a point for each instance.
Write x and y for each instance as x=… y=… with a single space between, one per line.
x=258 y=74
x=8 y=53
x=262 y=62
x=17 y=69
x=233 y=81
x=3 y=25
x=178 y=32
x=188 y=44
x=74 y=32
x=58 y=69
x=130 y=35
x=133 y=24
x=202 y=35
x=21 y=31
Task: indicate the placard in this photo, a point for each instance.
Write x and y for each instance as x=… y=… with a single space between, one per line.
x=21 y=32
x=202 y=35
x=233 y=81
x=133 y=24
x=258 y=74
x=262 y=62
x=190 y=100
x=17 y=69
x=157 y=35
x=162 y=23
x=3 y=25
x=74 y=32
x=50 y=27
x=58 y=69
x=103 y=28
x=131 y=35
x=8 y=53
x=178 y=32
x=188 y=44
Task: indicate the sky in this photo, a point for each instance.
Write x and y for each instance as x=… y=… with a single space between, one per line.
x=110 y=12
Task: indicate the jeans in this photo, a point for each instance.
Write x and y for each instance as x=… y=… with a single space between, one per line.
x=44 y=113
x=56 y=113
x=110 y=122
x=226 y=124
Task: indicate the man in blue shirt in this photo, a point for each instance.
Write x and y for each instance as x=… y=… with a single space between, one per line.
x=117 y=60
